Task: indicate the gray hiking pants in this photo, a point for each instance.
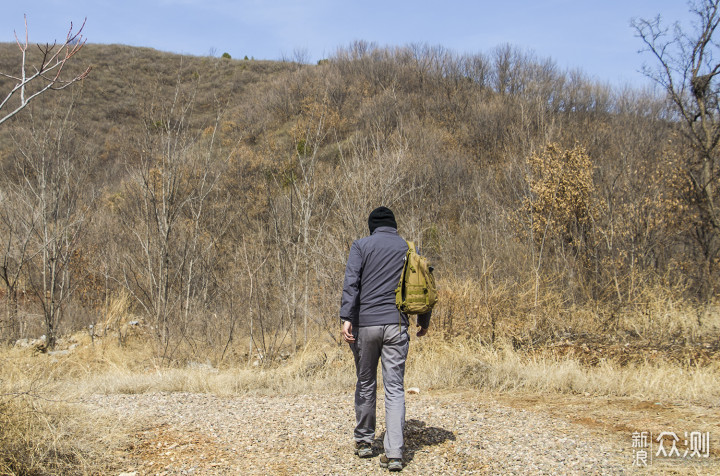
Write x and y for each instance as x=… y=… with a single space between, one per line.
x=390 y=344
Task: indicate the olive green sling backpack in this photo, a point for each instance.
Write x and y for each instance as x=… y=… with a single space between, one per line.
x=416 y=293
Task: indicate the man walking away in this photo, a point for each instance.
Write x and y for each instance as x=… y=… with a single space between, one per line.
x=376 y=330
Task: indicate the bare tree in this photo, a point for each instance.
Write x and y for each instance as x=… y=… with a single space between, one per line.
x=17 y=226
x=687 y=67
x=53 y=200
x=296 y=211
x=34 y=79
x=173 y=216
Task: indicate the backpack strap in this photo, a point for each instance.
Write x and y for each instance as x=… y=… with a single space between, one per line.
x=398 y=300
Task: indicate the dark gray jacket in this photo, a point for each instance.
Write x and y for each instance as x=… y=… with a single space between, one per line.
x=371 y=276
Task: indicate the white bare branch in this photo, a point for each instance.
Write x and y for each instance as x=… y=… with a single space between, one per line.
x=35 y=79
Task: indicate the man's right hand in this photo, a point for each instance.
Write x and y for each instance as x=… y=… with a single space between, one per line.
x=347 y=332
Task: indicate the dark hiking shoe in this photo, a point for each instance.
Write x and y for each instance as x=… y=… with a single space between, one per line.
x=363 y=450
x=392 y=464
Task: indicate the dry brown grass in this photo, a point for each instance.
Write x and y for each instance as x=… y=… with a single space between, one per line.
x=480 y=308
x=42 y=429
x=434 y=363
x=41 y=435
x=43 y=432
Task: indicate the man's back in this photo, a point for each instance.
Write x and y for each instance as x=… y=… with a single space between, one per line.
x=372 y=275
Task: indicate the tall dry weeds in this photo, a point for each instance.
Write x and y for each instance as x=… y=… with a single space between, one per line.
x=42 y=429
x=434 y=363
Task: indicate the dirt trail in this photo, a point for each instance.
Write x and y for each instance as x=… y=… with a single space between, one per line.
x=447 y=433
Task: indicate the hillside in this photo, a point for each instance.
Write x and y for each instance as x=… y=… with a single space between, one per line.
x=170 y=214
x=196 y=176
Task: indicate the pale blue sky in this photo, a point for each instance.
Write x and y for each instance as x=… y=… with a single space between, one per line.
x=593 y=36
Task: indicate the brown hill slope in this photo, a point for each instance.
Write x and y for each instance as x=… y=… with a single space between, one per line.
x=287 y=160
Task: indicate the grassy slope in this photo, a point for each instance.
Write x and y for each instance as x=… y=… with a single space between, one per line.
x=129 y=87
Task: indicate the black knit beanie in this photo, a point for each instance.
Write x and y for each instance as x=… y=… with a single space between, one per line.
x=381 y=216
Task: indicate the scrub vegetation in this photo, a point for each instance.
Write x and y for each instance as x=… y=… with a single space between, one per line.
x=177 y=223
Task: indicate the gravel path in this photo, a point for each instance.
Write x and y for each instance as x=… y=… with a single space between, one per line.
x=182 y=433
